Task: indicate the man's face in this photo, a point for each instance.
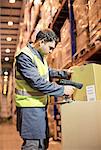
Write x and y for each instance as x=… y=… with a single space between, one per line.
x=47 y=47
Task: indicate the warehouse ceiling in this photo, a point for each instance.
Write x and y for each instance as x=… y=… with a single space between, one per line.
x=9 y=12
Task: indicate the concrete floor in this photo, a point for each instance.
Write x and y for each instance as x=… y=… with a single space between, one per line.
x=10 y=140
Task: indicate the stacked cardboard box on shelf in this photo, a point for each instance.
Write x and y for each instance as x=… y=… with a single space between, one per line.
x=22 y=34
x=58 y=122
x=54 y=59
x=57 y=57
x=50 y=114
x=57 y=119
x=27 y=15
x=27 y=26
x=10 y=95
x=13 y=96
x=35 y=11
x=0 y=87
x=62 y=54
x=24 y=27
x=0 y=82
x=48 y=10
x=94 y=14
x=27 y=20
x=81 y=18
x=66 y=43
x=47 y=13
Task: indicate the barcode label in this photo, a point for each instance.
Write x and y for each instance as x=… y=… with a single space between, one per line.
x=90 y=92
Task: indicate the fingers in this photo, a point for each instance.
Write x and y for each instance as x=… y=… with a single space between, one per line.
x=69 y=90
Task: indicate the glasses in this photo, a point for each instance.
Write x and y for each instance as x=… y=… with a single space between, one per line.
x=51 y=48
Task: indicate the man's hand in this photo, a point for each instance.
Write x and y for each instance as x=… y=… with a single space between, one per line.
x=69 y=90
x=67 y=72
x=70 y=70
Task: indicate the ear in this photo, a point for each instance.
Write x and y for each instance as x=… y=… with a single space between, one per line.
x=42 y=42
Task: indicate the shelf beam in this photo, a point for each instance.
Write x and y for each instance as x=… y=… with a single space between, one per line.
x=81 y=58
x=57 y=14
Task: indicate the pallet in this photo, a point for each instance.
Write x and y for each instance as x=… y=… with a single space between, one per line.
x=81 y=56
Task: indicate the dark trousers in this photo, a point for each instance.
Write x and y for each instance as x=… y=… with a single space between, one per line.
x=33 y=145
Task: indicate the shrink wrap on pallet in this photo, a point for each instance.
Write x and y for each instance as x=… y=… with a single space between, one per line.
x=47 y=12
x=94 y=20
x=66 y=43
x=57 y=56
x=81 y=16
x=65 y=31
x=82 y=24
x=81 y=2
x=82 y=41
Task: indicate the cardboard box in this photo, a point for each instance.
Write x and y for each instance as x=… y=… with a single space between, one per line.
x=80 y=2
x=90 y=76
x=65 y=32
x=82 y=40
x=81 y=125
x=95 y=34
x=94 y=7
x=94 y=13
x=81 y=17
x=93 y=22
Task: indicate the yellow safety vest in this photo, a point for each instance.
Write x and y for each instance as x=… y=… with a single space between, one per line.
x=25 y=95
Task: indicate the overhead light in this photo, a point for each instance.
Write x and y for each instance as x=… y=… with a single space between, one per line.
x=6 y=73
x=11 y=1
x=9 y=39
x=6 y=58
x=5 y=88
x=10 y=23
x=5 y=78
x=7 y=50
x=37 y=2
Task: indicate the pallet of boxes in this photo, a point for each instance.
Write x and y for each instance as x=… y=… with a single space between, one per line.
x=80 y=8
x=87 y=15
x=94 y=15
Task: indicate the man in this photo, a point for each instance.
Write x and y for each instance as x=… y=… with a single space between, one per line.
x=33 y=87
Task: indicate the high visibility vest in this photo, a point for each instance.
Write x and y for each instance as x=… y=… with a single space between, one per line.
x=25 y=95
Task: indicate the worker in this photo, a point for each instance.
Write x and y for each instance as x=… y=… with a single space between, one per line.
x=33 y=88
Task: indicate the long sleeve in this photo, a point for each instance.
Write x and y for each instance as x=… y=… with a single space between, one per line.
x=58 y=74
x=30 y=73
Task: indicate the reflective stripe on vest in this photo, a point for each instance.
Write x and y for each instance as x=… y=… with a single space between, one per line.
x=25 y=95
x=28 y=93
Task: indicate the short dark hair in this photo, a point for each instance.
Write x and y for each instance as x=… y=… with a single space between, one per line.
x=47 y=35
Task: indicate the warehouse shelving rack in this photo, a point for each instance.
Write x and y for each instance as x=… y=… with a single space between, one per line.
x=91 y=53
